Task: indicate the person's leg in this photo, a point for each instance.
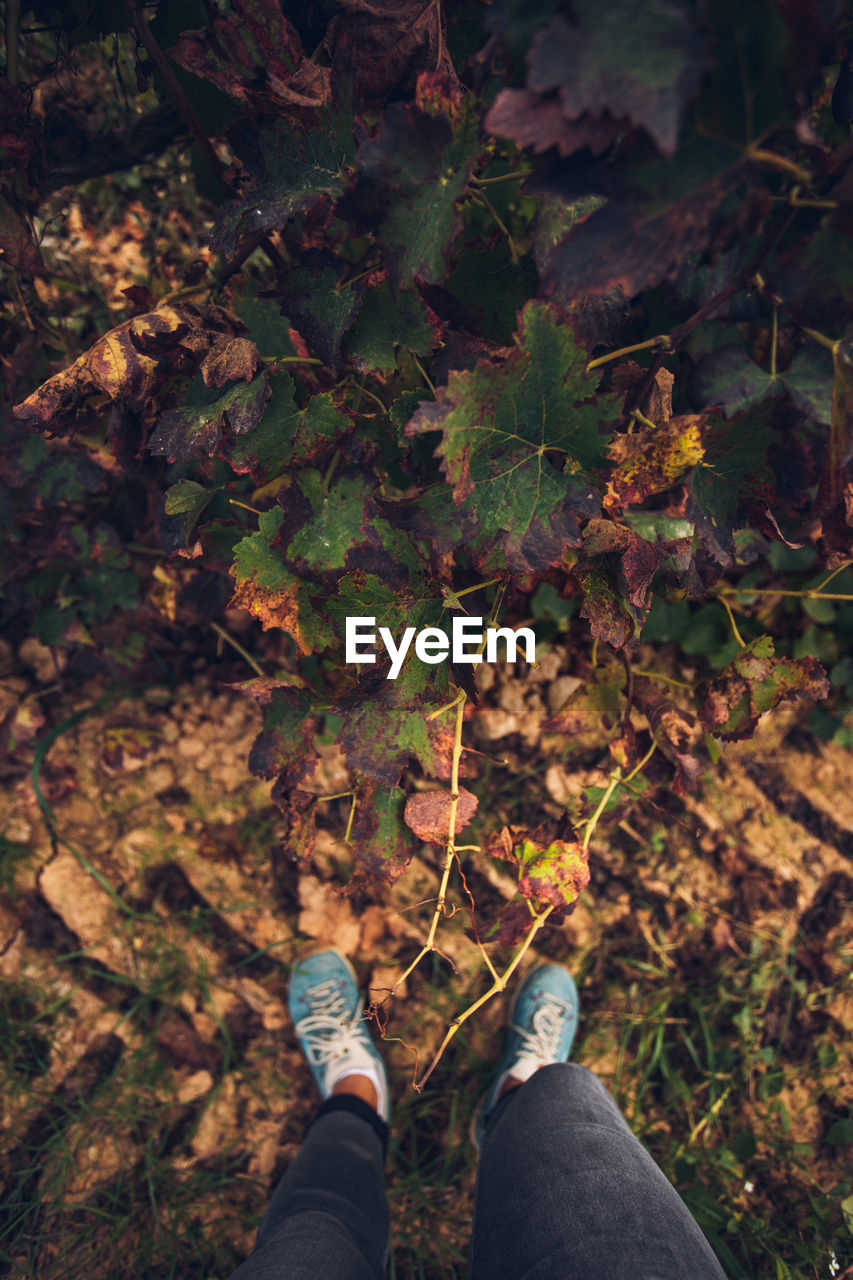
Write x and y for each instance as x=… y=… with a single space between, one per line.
x=328 y=1219
x=564 y=1189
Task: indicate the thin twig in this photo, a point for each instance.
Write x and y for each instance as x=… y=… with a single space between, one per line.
x=499 y=984
x=235 y=644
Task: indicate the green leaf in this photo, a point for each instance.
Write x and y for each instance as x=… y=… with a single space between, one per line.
x=381 y=842
x=555 y=875
x=410 y=177
x=415 y=604
x=754 y=682
x=385 y=322
x=188 y=499
x=268 y=328
x=274 y=595
x=809 y=382
x=502 y=423
x=735 y=467
x=840 y=1133
x=320 y=310
x=292 y=167
x=287 y=434
x=321 y=544
x=386 y=724
x=729 y=379
x=208 y=413
x=284 y=750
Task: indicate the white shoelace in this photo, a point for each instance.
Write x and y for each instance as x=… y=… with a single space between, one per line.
x=541 y=1044
x=333 y=1040
x=329 y=1029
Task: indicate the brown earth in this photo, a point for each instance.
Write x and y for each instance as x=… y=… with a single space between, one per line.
x=158 y=923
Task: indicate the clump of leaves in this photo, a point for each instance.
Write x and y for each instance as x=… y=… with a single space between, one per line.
x=551 y=300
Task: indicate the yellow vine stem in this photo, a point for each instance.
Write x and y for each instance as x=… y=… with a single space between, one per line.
x=813 y=593
x=771 y=158
x=662 y=340
x=735 y=632
x=235 y=644
x=499 y=984
x=459 y=703
x=350 y=819
x=665 y=679
x=613 y=782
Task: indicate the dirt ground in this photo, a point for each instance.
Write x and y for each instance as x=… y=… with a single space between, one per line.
x=147 y=941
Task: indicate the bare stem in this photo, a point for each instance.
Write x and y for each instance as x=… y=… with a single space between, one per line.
x=350 y=819
x=235 y=644
x=735 y=632
x=592 y=823
x=662 y=340
x=499 y=984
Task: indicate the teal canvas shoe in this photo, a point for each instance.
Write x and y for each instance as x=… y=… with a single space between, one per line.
x=543 y=1020
x=328 y=1016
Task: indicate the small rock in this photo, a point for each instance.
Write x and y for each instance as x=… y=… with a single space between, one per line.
x=38 y=657
x=560 y=691
x=195 y=1086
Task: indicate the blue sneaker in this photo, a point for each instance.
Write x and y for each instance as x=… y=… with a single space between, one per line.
x=328 y=1016
x=543 y=1019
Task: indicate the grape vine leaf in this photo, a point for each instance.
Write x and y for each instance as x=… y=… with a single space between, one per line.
x=130 y=363
x=388 y=726
x=657 y=212
x=502 y=420
x=385 y=322
x=189 y=499
x=381 y=841
x=638 y=559
x=385 y=43
x=603 y=67
x=754 y=682
x=552 y=876
x=284 y=749
x=207 y=415
x=410 y=177
x=286 y=435
x=427 y=813
x=271 y=592
x=293 y=166
x=320 y=310
x=254 y=54
x=550 y=873
x=735 y=471
x=650 y=461
x=728 y=378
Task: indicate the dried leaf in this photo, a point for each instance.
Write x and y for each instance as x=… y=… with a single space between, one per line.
x=604 y=66
x=130 y=363
x=754 y=683
x=254 y=54
x=652 y=461
x=428 y=814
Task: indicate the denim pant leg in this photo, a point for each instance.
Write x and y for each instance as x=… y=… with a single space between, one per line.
x=566 y=1192
x=328 y=1218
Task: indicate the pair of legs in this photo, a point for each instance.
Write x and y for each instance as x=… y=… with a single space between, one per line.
x=564 y=1189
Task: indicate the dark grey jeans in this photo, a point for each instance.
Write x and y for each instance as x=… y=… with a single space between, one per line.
x=564 y=1192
